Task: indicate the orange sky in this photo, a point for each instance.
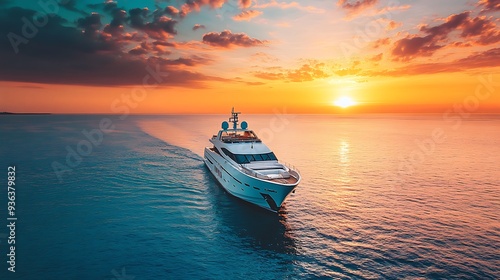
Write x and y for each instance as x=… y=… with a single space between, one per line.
x=258 y=56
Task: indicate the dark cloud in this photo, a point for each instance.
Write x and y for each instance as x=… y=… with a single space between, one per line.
x=198 y=26
x=486 y=59
x=489 y=5
x=70 y=5
x=226 y=39
x=245 y=3
x=155 y=48
x=164 y=43
x=117 y=23
x=451 y=23
x=190 y=61
x=137 y=17
x=478 y=30
x=60 y=53
x=483 y=29
x=355 y=7
x=411 y=47
x=138 y=51
x=90 y=24
x=489 y=58
x=160 y=28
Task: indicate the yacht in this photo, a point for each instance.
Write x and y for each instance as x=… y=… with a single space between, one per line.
x=247 y=168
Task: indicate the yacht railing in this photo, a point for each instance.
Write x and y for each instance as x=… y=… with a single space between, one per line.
x=294 y=171
x=290 y=166
x=253 y=173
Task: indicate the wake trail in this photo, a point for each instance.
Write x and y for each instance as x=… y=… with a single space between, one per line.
x=172 y=134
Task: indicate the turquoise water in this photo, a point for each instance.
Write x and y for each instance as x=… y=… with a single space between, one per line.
x=374 y=201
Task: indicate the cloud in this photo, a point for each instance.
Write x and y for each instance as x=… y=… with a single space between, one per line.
x=160 y=28
x=486 y=59
x=90 y=24
x=138 y=51
x=381 y=42
x=393 y=25
x=411 y=47
x=270 y=75
x=483 y=29
x=479 y=30
x=367 y=8
x=307 y=72
x=289 y=5
x=352 y=70
x=356 y=7
x=172 y=11
x=263 y=57
x=70 y=5
x=195 y=5
x=137 y=17
x=226 y=39
x=157 y=48
x=245 y=3
x=247 y=15
x=107 y=6
x=115 y=27
x=389 y=24
x=377 y=57
x=489 y=5
x=62 y=54
x=198 y=26
x=390 y=9
x=255 y=83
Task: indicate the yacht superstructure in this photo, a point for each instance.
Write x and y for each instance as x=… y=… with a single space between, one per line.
x=247 y=168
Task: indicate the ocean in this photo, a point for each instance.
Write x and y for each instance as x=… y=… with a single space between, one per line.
x=129 y=197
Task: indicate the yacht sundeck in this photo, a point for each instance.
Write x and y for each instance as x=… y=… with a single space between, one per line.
x=247 y=168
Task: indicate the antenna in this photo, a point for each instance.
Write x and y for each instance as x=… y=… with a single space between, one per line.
x=234 y=118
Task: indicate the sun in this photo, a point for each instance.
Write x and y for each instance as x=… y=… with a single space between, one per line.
x=344 y=102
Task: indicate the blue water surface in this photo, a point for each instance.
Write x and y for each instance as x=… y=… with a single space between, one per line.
x=137 y=207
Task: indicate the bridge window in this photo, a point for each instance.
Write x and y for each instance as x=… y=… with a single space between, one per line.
x=241 y=158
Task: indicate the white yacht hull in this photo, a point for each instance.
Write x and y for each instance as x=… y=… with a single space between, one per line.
x=264 y=193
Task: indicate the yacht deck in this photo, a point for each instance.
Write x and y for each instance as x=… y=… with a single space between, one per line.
x=289 y=180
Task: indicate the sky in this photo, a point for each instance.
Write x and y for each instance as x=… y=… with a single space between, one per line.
x=260 y=56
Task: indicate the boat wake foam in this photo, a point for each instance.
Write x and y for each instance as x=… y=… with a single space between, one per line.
x=174 y=135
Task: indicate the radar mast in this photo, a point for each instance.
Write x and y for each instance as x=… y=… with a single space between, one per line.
x=234 y=118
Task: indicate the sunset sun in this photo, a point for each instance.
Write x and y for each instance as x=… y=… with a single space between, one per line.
x=344 y=102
